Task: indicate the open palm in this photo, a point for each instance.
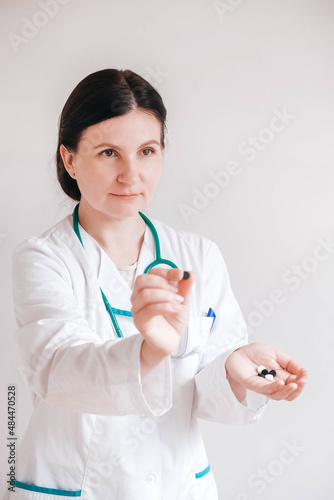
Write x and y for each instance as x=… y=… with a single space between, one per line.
x=241 y=368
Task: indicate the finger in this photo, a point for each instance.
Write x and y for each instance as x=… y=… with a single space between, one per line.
x=185 y=285
x=152 y=281
x=154 y=296
x=302 y=374
x=301 y=385
x=284 y=392
x=296 y=393
x=275 y=389
x=278 y=389
x=287 y=363
x=157 y=309
x=169 y=274
x=265 y=387
x=177 y=275
x=165 y=314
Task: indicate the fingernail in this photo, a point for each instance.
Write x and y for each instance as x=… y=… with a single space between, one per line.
x=186 y=275
x=178 y=298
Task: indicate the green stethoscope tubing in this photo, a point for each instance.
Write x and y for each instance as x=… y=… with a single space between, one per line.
x=158 y=260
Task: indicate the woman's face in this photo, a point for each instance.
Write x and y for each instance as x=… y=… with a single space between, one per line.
x=118 y=164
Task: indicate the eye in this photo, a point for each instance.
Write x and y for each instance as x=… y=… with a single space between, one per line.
x=148 y=149
x=107 y=153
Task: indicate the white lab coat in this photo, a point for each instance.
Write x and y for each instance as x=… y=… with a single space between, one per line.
x=96 y=427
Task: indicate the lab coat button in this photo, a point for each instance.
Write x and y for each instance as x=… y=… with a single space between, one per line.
x=151 y=479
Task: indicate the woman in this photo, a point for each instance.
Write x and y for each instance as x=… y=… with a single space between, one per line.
x=123 y=356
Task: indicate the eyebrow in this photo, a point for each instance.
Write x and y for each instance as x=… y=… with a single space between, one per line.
x=118 y=147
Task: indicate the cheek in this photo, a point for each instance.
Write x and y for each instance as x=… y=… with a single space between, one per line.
x=154 y=177
x=152 y=183
x=93 y=179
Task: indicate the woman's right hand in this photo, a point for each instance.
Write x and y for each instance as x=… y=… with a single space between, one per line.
x=160 y=310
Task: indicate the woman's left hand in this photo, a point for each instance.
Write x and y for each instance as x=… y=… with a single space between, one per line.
x=241 y=371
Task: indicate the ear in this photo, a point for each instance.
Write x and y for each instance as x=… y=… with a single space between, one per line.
x=67 y=158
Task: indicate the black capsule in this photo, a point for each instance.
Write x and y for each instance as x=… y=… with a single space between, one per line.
x=260 y=375
x=273 y=373
x=185 y=275
x=264 y=372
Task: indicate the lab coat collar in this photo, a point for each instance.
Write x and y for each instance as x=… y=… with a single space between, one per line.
x=101 y=268
x=108 y=275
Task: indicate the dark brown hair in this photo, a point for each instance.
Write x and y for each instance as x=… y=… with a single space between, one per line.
x=102 y=95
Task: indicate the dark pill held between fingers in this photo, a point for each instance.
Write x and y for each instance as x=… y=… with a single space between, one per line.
x=186 y=275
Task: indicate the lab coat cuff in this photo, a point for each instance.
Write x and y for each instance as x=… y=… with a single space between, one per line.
x=257 y=403
x=214 y=399
x=156 y=387
x=254 y=404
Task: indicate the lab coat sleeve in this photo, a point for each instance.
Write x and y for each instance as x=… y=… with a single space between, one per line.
x=213 y=397
x=65 y=362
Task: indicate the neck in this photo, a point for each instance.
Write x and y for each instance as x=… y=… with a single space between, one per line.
x=121 y=238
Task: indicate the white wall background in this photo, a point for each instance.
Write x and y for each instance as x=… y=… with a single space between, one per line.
x=223 y=71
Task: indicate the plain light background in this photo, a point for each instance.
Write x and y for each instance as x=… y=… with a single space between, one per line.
x=224 y=70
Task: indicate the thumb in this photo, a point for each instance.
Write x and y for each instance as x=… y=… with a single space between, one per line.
x=185 y=283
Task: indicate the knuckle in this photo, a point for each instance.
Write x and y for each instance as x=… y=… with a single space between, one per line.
x=140 y=280
x=146 y=294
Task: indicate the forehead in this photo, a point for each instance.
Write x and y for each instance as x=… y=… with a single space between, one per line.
x=135 y=126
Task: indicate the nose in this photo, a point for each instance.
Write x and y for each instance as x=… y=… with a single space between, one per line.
x=128 y=173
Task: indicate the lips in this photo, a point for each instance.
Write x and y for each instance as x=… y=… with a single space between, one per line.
x=126 y=195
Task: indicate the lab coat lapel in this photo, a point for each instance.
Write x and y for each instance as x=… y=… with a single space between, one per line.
x=107 y=275
x=110 y=279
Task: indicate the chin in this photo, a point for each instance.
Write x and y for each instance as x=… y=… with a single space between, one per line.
x=129 y=211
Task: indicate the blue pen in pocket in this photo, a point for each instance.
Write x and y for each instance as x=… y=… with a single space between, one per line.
x=211 y=314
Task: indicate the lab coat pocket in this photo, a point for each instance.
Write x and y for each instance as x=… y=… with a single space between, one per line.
x=204 y=486
x=186 y=357
x=32 y=492
x=195 y=337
